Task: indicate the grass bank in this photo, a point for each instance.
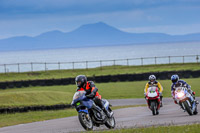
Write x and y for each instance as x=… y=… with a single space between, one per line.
x=109 y=70
x=51 y=95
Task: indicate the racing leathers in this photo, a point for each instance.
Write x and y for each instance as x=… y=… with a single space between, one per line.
x=91 y=92
x=154 y=84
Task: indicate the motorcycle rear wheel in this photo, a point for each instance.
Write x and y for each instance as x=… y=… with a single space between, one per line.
x=110 y=123
x=85 y=121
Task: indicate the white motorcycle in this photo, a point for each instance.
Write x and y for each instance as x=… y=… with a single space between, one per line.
x=185 y=100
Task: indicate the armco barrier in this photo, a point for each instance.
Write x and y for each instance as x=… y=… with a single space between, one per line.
x=100 y=79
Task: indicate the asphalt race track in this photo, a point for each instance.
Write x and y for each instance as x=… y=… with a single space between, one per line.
x=170 y=114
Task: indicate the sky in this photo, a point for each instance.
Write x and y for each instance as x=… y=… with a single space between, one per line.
x=33 y=17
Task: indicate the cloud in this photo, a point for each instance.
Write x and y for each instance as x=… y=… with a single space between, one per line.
x=24 y=8
x=32 y=17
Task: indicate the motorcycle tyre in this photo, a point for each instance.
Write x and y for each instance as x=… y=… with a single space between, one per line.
x=107 y=124
x=153 y=107
x=187 y=108
x=82 y=122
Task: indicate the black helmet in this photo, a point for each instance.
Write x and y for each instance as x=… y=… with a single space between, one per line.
x=174 y=78
x=80 y=80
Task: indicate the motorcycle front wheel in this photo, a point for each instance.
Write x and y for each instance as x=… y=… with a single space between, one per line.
x=85 y=121
x=187 y=107
x=153 y=108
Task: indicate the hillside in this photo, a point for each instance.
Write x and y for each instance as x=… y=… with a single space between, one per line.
x=97 y=34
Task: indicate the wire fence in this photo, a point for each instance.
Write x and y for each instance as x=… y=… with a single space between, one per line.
x=45 y=66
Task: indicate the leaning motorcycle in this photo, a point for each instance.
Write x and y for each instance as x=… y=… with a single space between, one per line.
x=185 y=100
x=153 y=100
x=90 y=114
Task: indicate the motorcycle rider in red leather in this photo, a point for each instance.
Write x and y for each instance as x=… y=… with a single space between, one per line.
x=91 y=91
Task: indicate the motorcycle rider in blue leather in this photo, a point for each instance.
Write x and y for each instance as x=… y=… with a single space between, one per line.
x=180 y=83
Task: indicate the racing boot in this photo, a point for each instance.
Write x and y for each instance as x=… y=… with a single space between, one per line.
x=197 y=102
x=161 y=102
x=109 y=114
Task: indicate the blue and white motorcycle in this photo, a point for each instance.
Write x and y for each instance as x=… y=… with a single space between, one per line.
x=90 y=114
x=186 y=100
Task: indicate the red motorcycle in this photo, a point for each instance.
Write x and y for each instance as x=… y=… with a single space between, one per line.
x=153 y=100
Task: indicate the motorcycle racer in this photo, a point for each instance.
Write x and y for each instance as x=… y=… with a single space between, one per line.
x=91 y=91
x=153 y=83
x=180 y=83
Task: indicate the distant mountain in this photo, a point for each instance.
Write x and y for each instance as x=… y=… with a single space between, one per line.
x=98 y=34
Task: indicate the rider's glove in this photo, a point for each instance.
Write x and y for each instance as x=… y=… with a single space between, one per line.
x=145 y=95
x=175 y=102
x=173 y=97
x=91 y=95
x=72 y=104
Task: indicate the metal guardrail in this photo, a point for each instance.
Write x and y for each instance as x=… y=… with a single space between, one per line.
x=45 y=66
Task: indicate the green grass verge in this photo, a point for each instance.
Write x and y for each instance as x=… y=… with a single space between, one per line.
x=63 y=94
x=194 y=128
x=20 y=118
x=109 y=70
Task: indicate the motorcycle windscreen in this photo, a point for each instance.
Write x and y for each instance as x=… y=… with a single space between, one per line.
x=79 y=95
x=152 y=92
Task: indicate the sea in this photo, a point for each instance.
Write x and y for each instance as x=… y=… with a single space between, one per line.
x=91 y=57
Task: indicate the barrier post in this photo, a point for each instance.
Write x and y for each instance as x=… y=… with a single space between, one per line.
x=86 y=63
x=31 y=67
x=73 y=65
x=58 y=65
x=5 y=68
x=18 y=68
x=45 y=66
x=100 y=64
x=197 y=58
x=142 y=61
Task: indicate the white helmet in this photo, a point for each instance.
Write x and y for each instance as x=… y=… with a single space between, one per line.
x=152 y=78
